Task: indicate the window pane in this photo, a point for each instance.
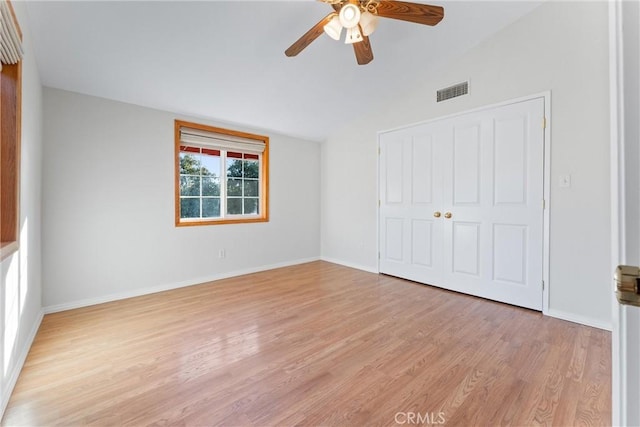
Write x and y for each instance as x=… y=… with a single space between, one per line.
x=234 y=206
x=189 y=186
x=211 y=166
x=251 y=169
x=210 y=187
x=211 y=208
x=190 y=164
x=189 y=208
x=250 y=188
x=234 y=187
x=251 y=206
x=234 y=168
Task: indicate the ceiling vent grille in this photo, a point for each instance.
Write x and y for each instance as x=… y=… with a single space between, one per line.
x=453 y=91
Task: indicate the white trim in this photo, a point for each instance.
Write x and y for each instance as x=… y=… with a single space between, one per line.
x=167 y=287
x=616 y=127
x=379 y=148
x=618 y=244
x=17 y=368
x=543 y=94
x=546 y=236
x=8 y=249
x=546 y=219
x=576 y=318
x=373 y=270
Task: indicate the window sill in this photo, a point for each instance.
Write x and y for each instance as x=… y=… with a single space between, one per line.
x=7 y=248
x=246 y=220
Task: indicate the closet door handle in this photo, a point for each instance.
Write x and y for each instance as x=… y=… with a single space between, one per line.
x=437 y=214
x=448 y=215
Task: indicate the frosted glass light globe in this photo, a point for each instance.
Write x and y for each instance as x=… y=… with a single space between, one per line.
x=349 y=15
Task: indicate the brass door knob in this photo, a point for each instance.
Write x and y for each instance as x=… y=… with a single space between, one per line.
x=448 y=215
x=437 y=214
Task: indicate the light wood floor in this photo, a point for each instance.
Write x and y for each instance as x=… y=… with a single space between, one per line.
x=315 y=344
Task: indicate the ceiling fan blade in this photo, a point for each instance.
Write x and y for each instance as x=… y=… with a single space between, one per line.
x=308 y=37
x=363 y=51
x=412 y=12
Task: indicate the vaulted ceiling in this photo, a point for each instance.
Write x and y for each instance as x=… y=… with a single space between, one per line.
x=224 y=60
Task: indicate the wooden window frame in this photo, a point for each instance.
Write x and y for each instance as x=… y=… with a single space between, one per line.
x=10 y=141
x=263 y=215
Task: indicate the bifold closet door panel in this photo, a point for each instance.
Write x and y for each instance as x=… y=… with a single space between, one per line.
x=410 y=196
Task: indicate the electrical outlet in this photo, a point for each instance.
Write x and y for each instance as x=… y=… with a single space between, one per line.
x=222 y=254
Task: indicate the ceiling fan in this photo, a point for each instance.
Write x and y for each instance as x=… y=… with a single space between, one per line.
x=360 y=19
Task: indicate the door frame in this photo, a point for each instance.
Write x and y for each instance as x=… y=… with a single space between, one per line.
x=625 y=340
x=618 y=403
x=546 y=186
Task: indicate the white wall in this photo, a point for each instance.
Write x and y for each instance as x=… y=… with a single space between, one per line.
x=561 y=47
x=108 y=201
x=20 y=273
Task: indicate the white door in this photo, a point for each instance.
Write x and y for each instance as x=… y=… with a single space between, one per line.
x=461 y=203
x=625 y=127
x=411 y=237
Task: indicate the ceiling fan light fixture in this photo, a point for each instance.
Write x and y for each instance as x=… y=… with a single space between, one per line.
x=368 y=23
x=350 y=15
x=353 y=35
x=334 y=28
x=360 y=18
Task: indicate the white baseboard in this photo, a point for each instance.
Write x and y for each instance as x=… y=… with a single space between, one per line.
x=167 y=287
x=350 y=265
x=17 y=368
x=576 y=318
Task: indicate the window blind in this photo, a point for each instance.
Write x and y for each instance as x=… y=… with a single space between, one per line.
x=10 y=45
x=219 y=141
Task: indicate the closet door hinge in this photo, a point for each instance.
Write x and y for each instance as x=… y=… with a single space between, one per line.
x=543 y=285
x=544 y=123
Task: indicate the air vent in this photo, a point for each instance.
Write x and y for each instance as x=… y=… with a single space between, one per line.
x=453 y=91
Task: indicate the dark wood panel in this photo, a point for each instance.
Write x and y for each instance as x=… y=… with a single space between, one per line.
x=10 y=116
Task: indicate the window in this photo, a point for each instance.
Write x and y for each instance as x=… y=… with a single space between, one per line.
x=10 y=118
x=221 y=175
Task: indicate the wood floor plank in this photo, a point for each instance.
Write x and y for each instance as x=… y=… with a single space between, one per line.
x=313 y=344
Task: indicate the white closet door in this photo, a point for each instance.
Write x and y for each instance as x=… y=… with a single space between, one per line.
x=483 y=172
x=410 y=193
